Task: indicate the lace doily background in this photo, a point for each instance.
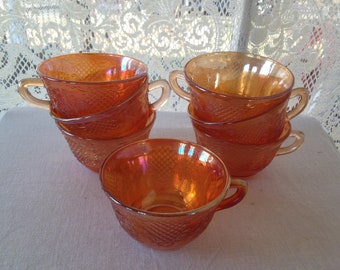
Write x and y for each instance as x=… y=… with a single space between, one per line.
x=165 y=34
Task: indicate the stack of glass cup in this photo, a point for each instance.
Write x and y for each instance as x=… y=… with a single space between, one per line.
x=238 y=106
x=99 y=101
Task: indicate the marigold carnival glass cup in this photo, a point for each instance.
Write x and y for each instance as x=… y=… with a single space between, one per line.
x=165 y=191
x=92 y=152
x=243 y=160
x=263 y=128
x=121 y=120
x=82 y=84
x=234 y=86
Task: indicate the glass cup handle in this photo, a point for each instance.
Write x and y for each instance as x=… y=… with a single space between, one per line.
x=241 y=187
x=303 y=95
x=164 y=85
x=299 y=138
x=173 y=77
x=27 y=96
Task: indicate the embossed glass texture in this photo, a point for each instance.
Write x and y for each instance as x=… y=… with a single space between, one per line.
x=164 y=34
x=244 y=160
x=263 y=128
x=92 y=152
x=165 y=191
x=121 y=120
x=233 y=86
x=84 y=84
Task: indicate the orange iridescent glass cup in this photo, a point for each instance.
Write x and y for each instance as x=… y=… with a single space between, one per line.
x=92 y=152
x=83 y=84
x=121 y=120
x=165 y=191
x=96 y=95
x=243 y=160
x=233 y=86
x=263 y=128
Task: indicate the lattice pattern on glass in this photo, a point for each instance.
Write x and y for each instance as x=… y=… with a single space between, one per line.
x=302 y=34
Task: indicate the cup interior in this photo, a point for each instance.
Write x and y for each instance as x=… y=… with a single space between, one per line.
x=237 y=74
x=164 y=176
x=92 y=67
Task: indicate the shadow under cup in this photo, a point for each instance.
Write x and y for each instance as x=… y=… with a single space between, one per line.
x=233 y=86
x=82 y=84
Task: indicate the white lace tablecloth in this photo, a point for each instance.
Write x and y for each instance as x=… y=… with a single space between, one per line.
x=54 y=214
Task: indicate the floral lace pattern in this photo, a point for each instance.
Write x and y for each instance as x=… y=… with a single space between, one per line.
x=165 y=34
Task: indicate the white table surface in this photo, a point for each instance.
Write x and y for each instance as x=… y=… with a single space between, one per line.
x=54 y=214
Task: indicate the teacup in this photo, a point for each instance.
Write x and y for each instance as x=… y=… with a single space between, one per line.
x=83 y=84
x=234 y=86
x=243 y=160
x=92 y=152
x=165 y=191
x=121 y=120
x=263 y=128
